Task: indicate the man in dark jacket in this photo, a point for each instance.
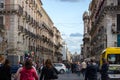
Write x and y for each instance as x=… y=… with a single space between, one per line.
x=91 y=71
x=5 y=73
x=104 y=70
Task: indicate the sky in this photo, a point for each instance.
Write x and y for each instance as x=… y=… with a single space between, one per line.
x=67 y=17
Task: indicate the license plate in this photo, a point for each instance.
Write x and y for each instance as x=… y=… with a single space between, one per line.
x=114 y=75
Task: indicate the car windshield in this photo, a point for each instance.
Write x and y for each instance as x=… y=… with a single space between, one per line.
x=114 y=58
x=57 y=65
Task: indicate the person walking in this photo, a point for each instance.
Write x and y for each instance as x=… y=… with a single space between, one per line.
x=78 y=68
x=68 y=67
x=73 y=67
x=48 y=70
x=84 y=65
x=91 y=71
x=5 y=71
x=104 y=69
x=27 y=72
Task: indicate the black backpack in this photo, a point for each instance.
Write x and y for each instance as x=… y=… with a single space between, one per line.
x=54 y=74
x=51 y=73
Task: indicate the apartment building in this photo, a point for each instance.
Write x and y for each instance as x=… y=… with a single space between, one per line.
x=105 y=25
x=57 y=40
x=26 y=30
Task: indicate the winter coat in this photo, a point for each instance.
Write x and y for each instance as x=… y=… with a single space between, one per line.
x=47 y=73
x=27 y=74
x=5 y=73
x=91 y=72
x=104 y=69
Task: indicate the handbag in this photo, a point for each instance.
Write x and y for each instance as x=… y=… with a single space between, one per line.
x=54 y=75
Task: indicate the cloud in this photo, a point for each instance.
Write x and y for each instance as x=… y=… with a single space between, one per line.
x=70 y=0
x=73 y=43
x=76 y=35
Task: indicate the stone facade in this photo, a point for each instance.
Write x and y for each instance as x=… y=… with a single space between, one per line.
x=28 y=30
x=86 y=39
x=104 y=31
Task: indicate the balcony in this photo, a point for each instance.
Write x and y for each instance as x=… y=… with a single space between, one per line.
x=28 y=18
x=25 y=15
x=86 y=37
x=12 y=8
x=20 y=29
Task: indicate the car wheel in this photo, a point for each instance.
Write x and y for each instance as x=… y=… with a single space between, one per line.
x=62 y=71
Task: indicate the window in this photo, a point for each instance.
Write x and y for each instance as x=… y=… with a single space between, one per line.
x=114 y=58
x=118 y=2
x=1 y=20
x=118 y=22
x=57 y=65
x=1 y=5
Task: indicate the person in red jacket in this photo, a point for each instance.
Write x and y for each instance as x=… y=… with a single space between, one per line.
x=27 y=72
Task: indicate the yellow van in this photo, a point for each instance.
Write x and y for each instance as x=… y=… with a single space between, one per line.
x=112 y=55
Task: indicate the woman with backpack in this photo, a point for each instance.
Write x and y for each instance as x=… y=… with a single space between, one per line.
x=27 y=72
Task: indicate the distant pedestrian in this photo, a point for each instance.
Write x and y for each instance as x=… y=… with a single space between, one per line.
x=104 y=69
x=68 y=66
x=5 y=69
x=48 y=71
x=91 y=71
x=73 y=67
x=84 y=65
x=27 y=72
x=2 y=59
x=78 y=68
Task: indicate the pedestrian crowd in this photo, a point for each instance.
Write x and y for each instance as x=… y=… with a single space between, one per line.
x=28 y=70
x=89 y=69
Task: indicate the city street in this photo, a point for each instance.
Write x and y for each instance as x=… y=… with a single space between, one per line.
x=72 y=76
x=69 y=76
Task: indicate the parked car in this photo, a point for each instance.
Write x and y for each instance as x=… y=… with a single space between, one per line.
x=60 y=67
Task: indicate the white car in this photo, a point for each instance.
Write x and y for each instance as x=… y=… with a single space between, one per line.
x=60 y=67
